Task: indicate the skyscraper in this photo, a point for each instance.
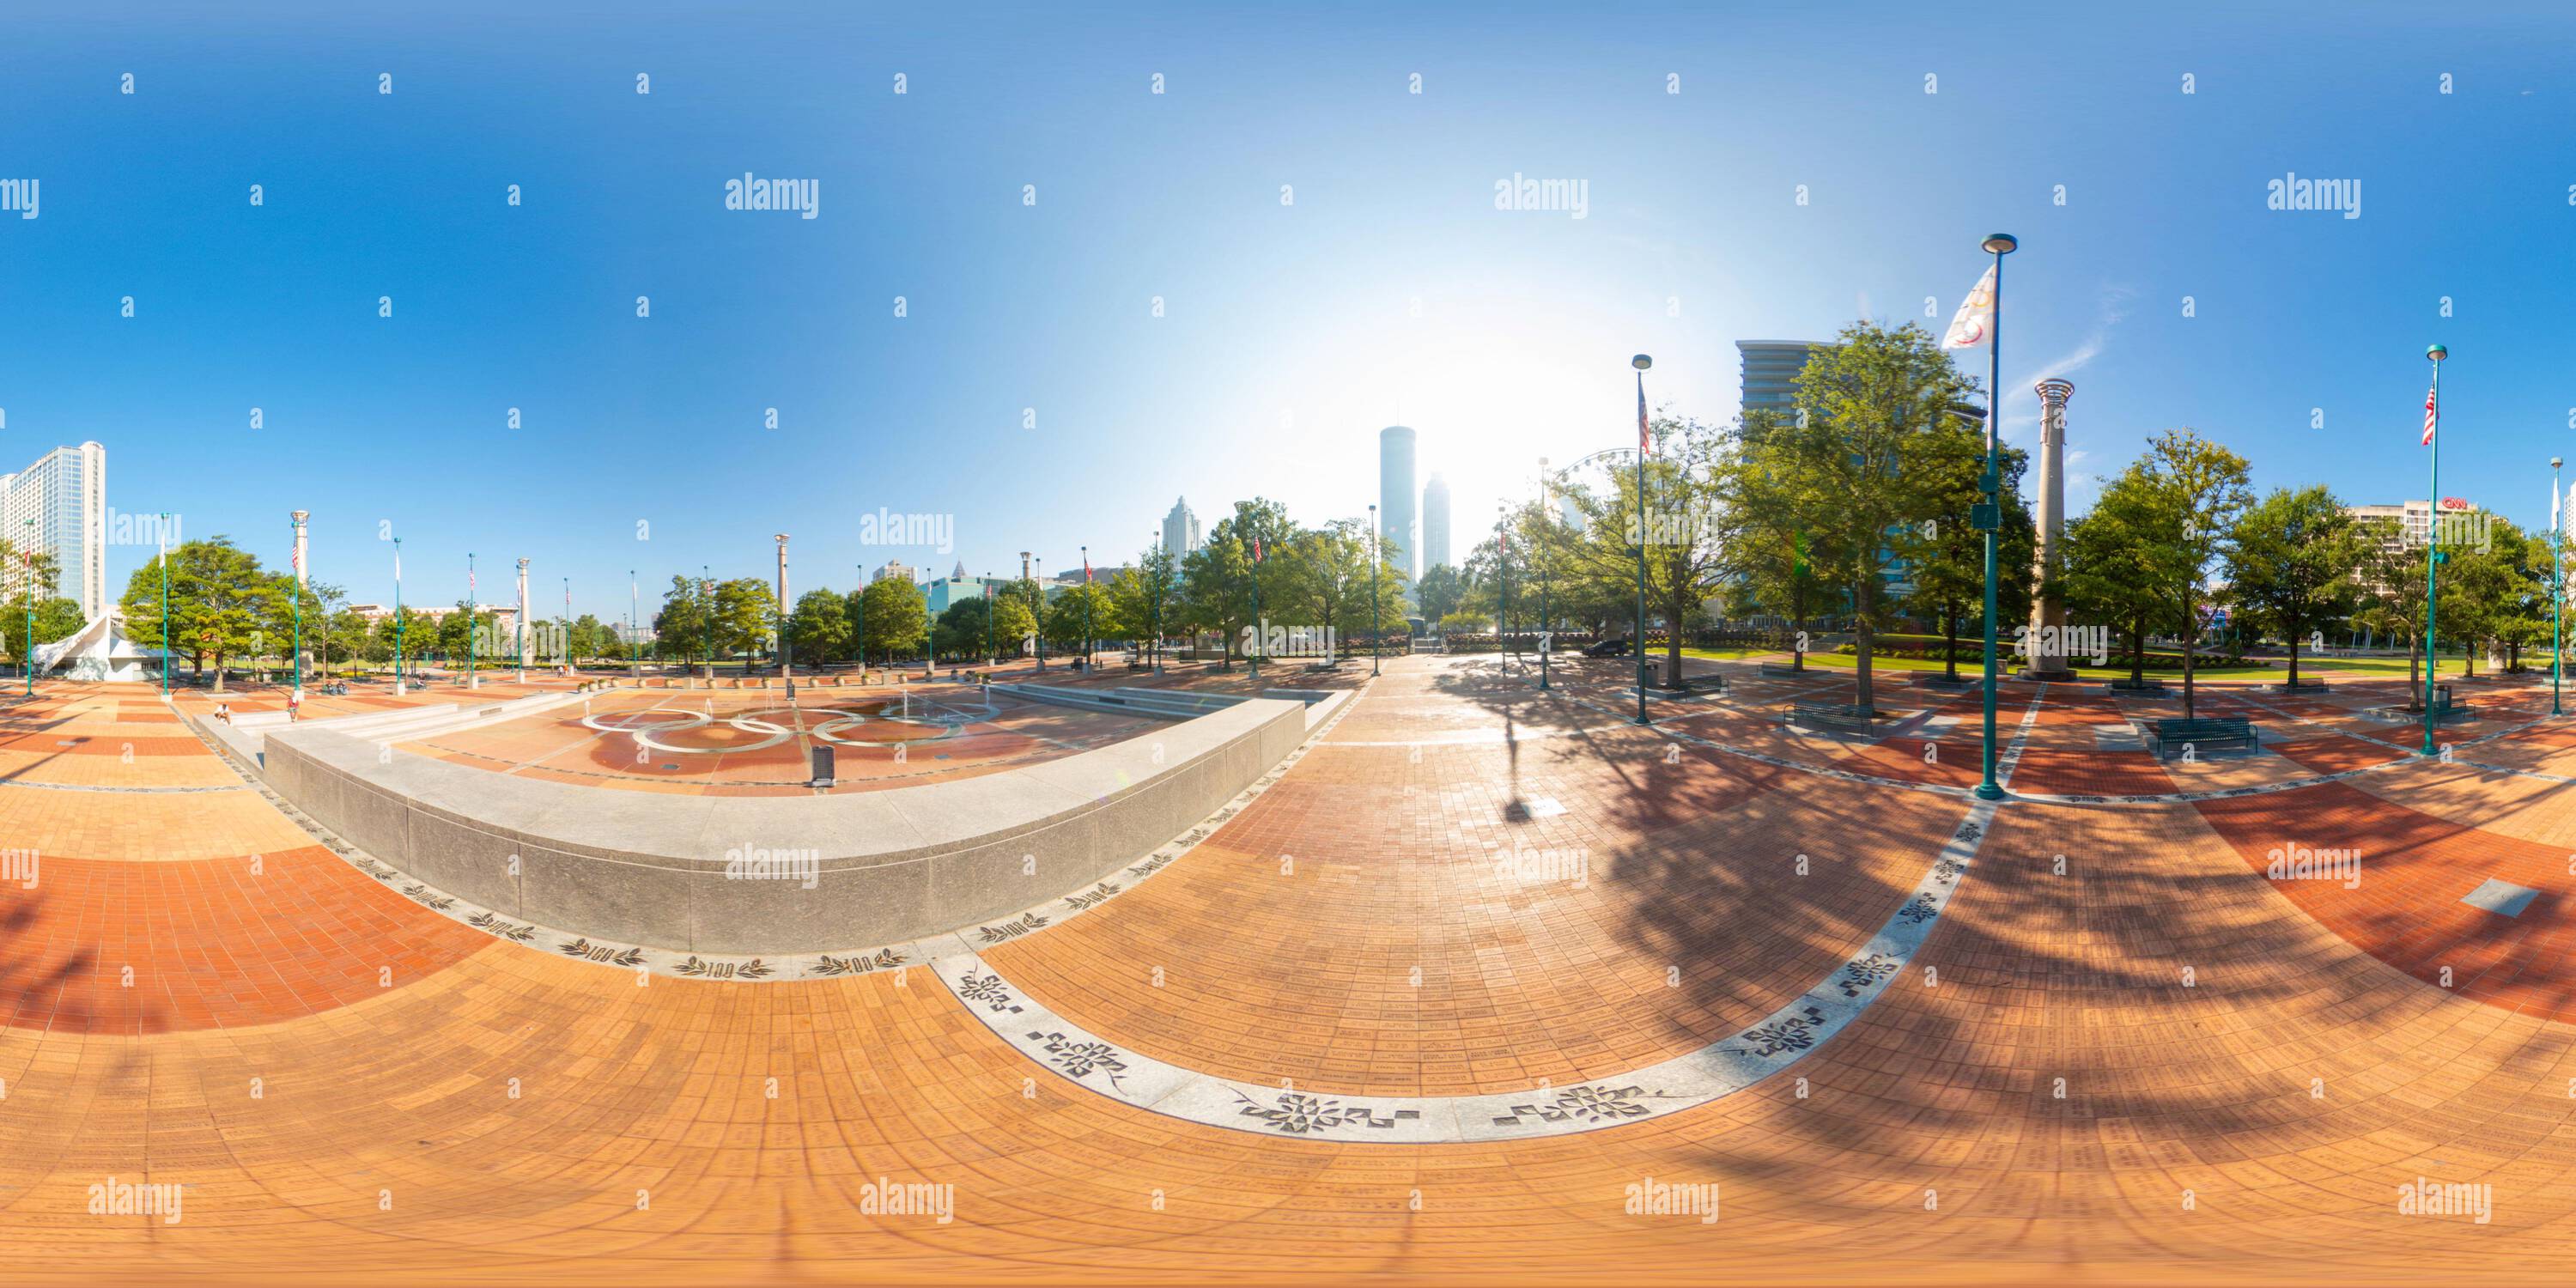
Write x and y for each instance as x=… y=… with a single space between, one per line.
x=1181 y=529
x=65 y=492
x=1396 y=495
x=1435 y=522
x=1771 y=370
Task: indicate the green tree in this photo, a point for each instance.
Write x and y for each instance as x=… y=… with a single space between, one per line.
x=959 y=631
x=819 y=628
x=1949 y=570
x=1859 y=478
x=219 y=598
x=680 y=626
x=2113 y=563
x=892 y=618
x=746 y=614
x=1440 y=592
x=2200 y=489
x=2290 y=563
x=1013 y=623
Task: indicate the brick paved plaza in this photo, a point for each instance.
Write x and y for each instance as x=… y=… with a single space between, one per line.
x=1484 y=985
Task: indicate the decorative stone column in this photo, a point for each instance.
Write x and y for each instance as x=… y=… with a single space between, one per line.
x=2047 y=660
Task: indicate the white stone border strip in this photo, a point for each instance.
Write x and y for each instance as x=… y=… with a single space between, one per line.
x=1720 y=1068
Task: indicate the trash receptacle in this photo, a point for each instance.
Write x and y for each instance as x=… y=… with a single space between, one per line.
x=822 y=766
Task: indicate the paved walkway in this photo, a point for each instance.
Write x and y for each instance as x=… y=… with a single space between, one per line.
x=2054 y=1040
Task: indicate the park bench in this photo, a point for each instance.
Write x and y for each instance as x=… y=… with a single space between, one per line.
x=2142 y=686
x=2205 y=731
x=1841 y=717
x=1782 y=669
x=2296 y=685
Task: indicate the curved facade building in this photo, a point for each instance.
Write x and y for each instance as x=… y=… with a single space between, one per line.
x=1396 y=498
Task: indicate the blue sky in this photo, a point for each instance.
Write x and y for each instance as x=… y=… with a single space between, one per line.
x=1390 y=291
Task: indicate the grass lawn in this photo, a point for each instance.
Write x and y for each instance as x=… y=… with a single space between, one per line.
x=1731 y=653
x=2371 y=667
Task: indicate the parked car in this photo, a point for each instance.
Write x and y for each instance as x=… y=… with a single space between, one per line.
x=1608 y=648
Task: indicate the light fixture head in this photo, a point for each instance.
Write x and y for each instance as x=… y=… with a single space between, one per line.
x=2437 y=353
x=1641 y=362
x=2000 y=243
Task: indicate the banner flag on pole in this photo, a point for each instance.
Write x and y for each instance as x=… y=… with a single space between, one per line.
x=2430 y=415
x=1975 y=323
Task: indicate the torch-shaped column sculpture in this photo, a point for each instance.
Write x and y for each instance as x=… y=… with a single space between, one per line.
x=2045 y=658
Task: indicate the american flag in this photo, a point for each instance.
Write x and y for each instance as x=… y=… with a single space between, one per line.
x=2429 y=415
x=1256 y=550
x=1086 y=569
x=1645 y=445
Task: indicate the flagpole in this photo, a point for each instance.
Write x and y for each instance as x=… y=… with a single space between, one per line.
x=165 y=605
x=1643 y=364
x=2432 y=547
x=2557 y=584
x=2000 y=245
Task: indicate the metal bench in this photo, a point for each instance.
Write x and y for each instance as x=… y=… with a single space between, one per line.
x=1783 y=670
x=1840 y=717
x=2205 y=731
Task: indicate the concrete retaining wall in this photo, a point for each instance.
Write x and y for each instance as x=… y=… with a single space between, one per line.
x=888 y=866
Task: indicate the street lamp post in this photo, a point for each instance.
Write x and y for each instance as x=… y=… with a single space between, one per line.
x=2432 y=546
x=1545 y=642
x=786 y=651
x=634 y=657
x=522 y=623
x=399 y=690
x=2559 y=570
x=1991 y=509
x=988 y=624
x=1158 y=603
x=707 y=618
x=472 y=626
x=1643 y=364
x=1037 y=608
x=295 y=698
x=27 y=593
x=1089 y=645
x=1260 y=628
x=165 y=605
x=1377 y=619
x=563 y=629
x=1503 y=610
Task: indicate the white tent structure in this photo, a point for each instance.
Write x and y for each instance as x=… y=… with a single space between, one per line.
x=99 y=650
